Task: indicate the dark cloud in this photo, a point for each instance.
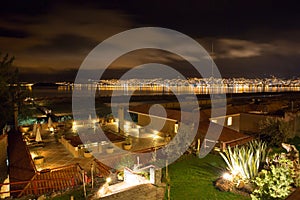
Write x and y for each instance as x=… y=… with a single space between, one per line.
x=146 y=56
x=261 y=66
x=216 y=18
x=46 y=74
x=65 y=43
x=14 y=33
x=250 y=38
x=26 y=8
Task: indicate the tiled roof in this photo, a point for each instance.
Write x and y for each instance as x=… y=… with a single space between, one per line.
x=227 y=134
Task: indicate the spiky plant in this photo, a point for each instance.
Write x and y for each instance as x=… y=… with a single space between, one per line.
x=245 y=161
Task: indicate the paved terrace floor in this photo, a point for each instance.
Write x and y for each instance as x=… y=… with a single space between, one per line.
x=56 y=155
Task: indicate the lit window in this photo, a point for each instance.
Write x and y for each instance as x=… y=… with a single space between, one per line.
x=229 y=121
x=176 y=127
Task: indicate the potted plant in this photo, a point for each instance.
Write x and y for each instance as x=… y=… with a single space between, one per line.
x=87 y=154
x=120 y=175
x=24 y=129
x=127 y=145
x=38 y=160
x=110 y=149
x=168 y=137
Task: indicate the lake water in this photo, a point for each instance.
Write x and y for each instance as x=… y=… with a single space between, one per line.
x=63 y=91
x=59 y=99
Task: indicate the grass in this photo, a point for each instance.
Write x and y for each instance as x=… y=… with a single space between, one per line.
x=192 y=178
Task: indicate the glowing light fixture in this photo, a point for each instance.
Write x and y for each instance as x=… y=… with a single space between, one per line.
x=227 y=176
x=108 y=180
x=74 y=127
x=33 y=154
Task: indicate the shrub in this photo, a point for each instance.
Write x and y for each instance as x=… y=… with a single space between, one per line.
x=275 y=183
x=126 y=161
x=274 y=131
x=245 y=161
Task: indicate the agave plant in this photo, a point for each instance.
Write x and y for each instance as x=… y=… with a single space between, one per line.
x=245 y=161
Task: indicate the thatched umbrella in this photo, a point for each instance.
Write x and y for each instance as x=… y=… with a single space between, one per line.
x=49 y=122
x=34 y=129
x=38 y=137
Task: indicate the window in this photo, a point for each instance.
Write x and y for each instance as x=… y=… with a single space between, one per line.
x=176 y=127
x=229 y=121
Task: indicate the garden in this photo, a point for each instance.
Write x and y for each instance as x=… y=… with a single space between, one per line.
x=193 y=178
x=261 y=169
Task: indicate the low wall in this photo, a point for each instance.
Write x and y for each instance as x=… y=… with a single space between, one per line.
x=250 y=123
x=77 y=152
x=69 y=147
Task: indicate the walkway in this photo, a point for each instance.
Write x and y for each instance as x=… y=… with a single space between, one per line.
x=140 y=192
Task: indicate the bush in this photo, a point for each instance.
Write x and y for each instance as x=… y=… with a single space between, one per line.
x=276 y=182
x=275 y=131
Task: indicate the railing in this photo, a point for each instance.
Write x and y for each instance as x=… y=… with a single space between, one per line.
x=102 y=169
x=150 y=149
x=65 y=167
x=36 y=187
x=239 y=141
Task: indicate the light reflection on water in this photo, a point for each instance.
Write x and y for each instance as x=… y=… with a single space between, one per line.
x=65 y=91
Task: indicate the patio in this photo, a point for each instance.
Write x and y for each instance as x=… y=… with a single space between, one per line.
x=57 y=154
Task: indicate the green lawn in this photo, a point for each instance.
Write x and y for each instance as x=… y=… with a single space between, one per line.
x=192 y=178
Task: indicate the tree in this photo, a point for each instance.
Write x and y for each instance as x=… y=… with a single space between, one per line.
x=275 y=131
x=9 y=93
x=176 y=148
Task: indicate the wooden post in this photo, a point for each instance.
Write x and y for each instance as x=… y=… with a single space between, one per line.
x=73 y=181
x=83 y=181
x=198 y=147
x=223 y=146
x=92 y=174
x=35 y=186
x=169 y=191
x=168 y=180
x=16 y=113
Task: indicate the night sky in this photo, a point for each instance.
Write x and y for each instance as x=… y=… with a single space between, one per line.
x=50 y=39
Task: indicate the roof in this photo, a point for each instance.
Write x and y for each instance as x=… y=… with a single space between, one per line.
x=227 y=135
x=21 y=166
x=172 y=114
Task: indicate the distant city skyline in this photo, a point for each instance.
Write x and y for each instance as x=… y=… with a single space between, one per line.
x=50 y=39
